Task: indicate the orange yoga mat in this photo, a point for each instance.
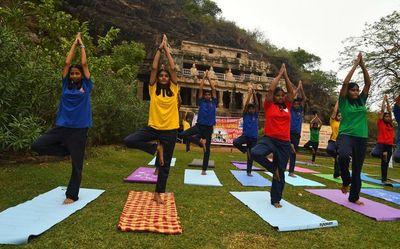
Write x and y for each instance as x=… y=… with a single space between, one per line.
x=143 y=214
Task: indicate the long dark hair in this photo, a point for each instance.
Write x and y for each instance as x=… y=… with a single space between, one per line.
x=75 y=84
x=356 y=101
x=164 y=88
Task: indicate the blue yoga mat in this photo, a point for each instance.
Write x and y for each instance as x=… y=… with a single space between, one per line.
x=299 y=181
x=33 y=217
x=250 y=181
x=383 y=194
x=194 y=177
x=366 y=178
x=287 y=218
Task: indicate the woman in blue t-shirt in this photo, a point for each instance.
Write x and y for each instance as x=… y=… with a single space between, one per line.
x=74 y=117
x=250 y=128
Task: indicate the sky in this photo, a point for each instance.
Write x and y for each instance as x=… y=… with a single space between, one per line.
x=318 y=26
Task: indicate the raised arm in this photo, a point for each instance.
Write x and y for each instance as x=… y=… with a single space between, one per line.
x=171 y=63
x=84 y=64
x=289 y=86
x=274 y=83
x=380 y=116
x=388 y=108
x=345 y=85
x=396 y=109
x=202 y=84
x=70 y=56
x=256 y=104
x=303 y=95
x=248 y=97
x=335 y=109
x=318 y=121
x=212 y=84
x=154 y=65
x=367 y=80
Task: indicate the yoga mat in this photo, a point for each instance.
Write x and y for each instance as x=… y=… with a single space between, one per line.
x=243 y=166
x=372 y=209
x=142 y=214
x=366 y=178
x=339 y=180
x=304 y=170
x=299 y=181
x=143 y=175
x=153 y=162
x=250 y=181
x=287 y=218
x=35 y=216
x=194 y=177
x=199 y=163
x=383 y=194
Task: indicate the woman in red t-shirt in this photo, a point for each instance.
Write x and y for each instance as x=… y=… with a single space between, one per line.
x=277 y=134
x=384 y=146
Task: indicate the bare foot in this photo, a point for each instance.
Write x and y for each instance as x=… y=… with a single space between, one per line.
x=277 y=205
x=345 y=189
x=156 y=171
x=249 y=174
x=160 y=153
x=292 y=175
x=68 y=201
x=385 y=154
x=203 y=144
x=157 y=198
x=293 y=149
x=358 y=202
x=276 y=175
x=203 y=172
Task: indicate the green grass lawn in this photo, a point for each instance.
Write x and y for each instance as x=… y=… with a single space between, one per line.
x=210 y=216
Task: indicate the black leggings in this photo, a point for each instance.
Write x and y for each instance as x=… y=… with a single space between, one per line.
x=141 y=140
x=197 y=132
x=62 y=141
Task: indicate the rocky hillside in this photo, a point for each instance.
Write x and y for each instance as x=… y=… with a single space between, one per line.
x=145 y=20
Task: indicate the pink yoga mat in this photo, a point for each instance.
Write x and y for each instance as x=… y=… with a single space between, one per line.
x=305 y=170
x=243 y=166
x=372 y=209
x=143 y=175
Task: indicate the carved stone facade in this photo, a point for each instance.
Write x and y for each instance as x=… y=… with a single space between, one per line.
x=232 y=69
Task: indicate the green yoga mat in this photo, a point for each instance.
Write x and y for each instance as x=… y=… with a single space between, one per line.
x=338 y=180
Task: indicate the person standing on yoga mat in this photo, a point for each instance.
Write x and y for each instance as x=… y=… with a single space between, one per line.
x=296 y=120
x=74 y=118
x=313 y=143
x=250 y=128
x=201 y=133
x=384 y=146
x=331 y=149
x=396 y=112
x=163 y=121
x=353 y=131
x=277 y=134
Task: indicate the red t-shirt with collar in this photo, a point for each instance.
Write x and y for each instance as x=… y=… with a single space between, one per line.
x=385 y=133
x=277 y=121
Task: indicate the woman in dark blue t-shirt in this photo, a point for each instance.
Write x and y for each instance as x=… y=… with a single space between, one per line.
x=74 y=117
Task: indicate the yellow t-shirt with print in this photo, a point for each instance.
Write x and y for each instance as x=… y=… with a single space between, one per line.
x=163 y=112
x=335 y=129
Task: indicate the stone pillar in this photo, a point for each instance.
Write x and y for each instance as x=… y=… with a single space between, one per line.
x=139 y=90
x=220 y=99
x=193 y=97
x=232 y=103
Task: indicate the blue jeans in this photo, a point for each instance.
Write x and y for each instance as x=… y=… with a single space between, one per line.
x=378 y=152
x=281 y=151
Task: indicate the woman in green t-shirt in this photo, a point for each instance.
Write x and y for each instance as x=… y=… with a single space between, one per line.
x=313 y=143
x=353 y=131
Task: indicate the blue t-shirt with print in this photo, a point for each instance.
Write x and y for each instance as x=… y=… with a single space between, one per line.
x=207 y=111
x=250 y=125
x=296 y=119
x=75 y=110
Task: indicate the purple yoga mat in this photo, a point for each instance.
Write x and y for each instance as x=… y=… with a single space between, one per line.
x=372 y=209
x=243 y=166
x=142 y=174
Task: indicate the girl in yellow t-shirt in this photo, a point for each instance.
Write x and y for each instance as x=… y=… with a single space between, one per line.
x=332 y=146
x=163 y=119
